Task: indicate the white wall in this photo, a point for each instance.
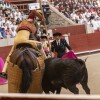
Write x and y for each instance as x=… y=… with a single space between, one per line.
x=6 y=42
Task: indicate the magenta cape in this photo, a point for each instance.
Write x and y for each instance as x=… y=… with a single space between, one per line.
x=69 y=55
x=2 y=81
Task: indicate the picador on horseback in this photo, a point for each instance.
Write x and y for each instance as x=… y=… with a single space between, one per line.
x=27 y=56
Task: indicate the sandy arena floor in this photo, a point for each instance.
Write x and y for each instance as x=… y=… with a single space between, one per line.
x=93 y=66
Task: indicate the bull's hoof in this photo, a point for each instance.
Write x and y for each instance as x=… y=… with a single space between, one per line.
x=3 y=75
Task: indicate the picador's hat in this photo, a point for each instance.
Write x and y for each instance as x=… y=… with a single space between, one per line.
x=57 y=34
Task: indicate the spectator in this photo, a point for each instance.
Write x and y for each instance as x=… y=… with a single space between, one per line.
x=45 y=44
x=74 y=8
x=42 y=30
x=9 y=18
x=1 y=37
x=1 y=28
x=8 y=31
x=13 y=32
x=18 y=21
x=3 y=33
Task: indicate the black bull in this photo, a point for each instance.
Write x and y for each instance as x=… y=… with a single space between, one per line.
x=65 y=73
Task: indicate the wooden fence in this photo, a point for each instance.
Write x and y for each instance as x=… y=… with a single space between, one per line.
x=73 y=30
x=85 y=42
x=80 y=43
x=4 y=51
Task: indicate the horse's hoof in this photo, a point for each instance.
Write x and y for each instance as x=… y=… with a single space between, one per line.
x=3 y=75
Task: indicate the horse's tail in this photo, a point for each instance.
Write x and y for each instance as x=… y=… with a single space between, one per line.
x=24 y=57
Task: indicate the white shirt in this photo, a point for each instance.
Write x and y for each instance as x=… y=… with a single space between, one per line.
x=0 y=35
x=13 y=33
x=95 y=24
x=58 y=42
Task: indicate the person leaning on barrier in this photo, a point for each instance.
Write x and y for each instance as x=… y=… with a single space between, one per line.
x=45 y=44
x=59 y=45
x=25 y=36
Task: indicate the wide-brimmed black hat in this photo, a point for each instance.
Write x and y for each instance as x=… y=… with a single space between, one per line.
x=57 y=34
x=43 y=36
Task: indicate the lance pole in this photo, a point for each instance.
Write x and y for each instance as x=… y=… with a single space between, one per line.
x=45 y=27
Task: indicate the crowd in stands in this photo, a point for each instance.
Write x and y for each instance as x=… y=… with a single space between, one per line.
x=80 y=11
x=10 y=17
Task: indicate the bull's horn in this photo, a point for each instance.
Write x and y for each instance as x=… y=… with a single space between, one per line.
x=85 y=59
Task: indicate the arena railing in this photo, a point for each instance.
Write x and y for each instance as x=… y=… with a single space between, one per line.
x=6 y=41
x=14 y=96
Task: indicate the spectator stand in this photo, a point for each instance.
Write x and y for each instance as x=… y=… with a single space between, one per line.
x=81 y=12
x=10 y=17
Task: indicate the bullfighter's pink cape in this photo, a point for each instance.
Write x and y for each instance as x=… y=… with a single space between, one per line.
x=2 y=81
x=69 y=55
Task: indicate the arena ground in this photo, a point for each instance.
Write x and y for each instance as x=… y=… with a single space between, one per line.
x=93 y=64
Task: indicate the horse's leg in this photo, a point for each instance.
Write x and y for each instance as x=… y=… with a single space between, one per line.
x=85 y=87
x=74 y=89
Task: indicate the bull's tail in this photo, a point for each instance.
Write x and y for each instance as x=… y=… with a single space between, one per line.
x=26 y=60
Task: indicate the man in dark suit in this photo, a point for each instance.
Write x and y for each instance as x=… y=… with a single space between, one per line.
x=59 y=45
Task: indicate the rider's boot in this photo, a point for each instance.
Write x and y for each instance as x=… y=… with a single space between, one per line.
x=3 y=75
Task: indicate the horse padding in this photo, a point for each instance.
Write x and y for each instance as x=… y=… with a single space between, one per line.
x=15 y=77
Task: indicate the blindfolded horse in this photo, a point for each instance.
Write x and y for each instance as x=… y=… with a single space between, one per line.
x=29 y=59
x=25 y=57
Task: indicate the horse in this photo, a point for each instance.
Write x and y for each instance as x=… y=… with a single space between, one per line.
x=25 y=57
x=64 y=73
x=29 y=57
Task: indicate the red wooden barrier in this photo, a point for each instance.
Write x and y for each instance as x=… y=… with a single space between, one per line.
x=4 y=51
x=79 y=43
x=73 y=30
x=94 y=41
x=85 y=42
